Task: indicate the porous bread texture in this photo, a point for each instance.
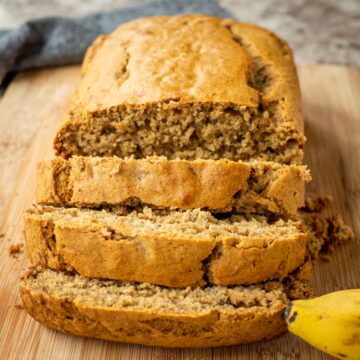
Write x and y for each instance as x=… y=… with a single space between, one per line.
x=173 y=248
x=159 y=316
x=220 y=186
x=186 y=86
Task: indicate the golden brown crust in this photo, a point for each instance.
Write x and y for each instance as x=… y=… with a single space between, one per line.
x=221 y=185
x=288 y=188
x=154 y=45
x=95 y=250
x=256 y=260
x=151 y=46
x=151 y=328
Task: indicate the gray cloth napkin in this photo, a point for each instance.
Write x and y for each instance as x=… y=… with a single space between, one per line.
x=58 y=41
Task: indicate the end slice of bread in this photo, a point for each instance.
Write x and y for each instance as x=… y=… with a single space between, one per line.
x=153 y=315
x=170 y=247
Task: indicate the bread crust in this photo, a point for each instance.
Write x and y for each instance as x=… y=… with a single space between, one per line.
x=219 y=38
x=150 y=328
x=221 y=185
x=93 y=249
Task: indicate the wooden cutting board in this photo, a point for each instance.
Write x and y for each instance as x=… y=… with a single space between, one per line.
x=29 y=114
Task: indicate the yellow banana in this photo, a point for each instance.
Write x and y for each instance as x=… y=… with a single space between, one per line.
x=330 y=323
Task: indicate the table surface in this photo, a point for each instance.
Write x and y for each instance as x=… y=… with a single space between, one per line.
x=29 y=115
x=319 y=31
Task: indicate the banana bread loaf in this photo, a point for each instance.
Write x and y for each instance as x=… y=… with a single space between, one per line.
x=174 y=248
x=220 y=186
x=154 y=315
x=187 y=86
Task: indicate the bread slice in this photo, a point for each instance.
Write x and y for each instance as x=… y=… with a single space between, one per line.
x=154 y=315
x=173 y=248
x=223 y=185
x=187 y=86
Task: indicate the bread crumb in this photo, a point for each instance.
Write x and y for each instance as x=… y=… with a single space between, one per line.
x=317 y=204
x=19 y=306
x=2 y=235
x=15 y=250
x=326 y=232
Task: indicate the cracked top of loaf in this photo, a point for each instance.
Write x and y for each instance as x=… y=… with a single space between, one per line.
x=189 y=59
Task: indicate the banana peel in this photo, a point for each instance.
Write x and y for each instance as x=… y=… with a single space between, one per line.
x=330 y=323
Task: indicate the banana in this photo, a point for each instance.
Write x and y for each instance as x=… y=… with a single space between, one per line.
x=330 y=323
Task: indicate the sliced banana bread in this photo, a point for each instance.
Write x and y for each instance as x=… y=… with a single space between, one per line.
x=154 y=315
x=171 y=248
x=222 y=185
x=187 y=86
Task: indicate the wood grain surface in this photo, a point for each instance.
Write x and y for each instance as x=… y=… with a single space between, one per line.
x=29 y=114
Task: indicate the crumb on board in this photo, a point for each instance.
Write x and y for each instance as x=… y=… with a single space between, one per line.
x=19 y=306
x=326 y=232
x=15 y=250
x=316 y=204
x=2 y=235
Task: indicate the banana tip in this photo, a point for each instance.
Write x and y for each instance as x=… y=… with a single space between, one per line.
x=290 y=317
